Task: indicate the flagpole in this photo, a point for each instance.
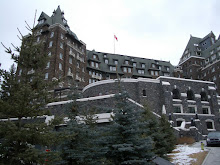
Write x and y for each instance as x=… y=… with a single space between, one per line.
x=114 y=44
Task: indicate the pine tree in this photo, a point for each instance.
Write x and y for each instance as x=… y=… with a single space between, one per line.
x=160 y=132
x=22 y=95
x=81 y=145
x=168 y=132
x=125 y=137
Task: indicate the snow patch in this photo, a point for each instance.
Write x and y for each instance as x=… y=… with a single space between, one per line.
x=183 y=155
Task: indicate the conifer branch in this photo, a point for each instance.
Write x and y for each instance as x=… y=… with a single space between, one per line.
x=20 y=33
x=28 y=27
x=19 y=37
x=16 y=47
x=8 y=50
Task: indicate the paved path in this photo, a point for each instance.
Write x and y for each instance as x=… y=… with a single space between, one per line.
x=213 y=157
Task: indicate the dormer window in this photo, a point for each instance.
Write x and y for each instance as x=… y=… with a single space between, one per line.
x=94 y=56
x=106 y=61
x=142 y=65
x=64 y=21
x=153 y=65
x=126 y=62
x=134 y=64
x=51 y=34
x=41 y=21
x=116 y=62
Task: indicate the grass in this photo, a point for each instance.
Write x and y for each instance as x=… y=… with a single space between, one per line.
x=200 y=156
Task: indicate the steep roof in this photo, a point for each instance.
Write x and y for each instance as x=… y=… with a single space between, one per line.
x=56 y=18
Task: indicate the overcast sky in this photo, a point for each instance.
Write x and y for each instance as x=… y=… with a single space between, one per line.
x=157 y=29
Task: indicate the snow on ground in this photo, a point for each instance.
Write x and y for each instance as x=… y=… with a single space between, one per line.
x=181 y=157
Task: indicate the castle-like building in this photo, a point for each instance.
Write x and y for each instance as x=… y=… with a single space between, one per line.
x=179 y=92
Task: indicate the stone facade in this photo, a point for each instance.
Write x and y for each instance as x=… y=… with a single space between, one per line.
x=181 y=100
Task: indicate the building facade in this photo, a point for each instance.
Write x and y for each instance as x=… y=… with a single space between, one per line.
x=201 y=60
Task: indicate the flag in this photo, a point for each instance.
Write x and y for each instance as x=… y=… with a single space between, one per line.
x=116 y=37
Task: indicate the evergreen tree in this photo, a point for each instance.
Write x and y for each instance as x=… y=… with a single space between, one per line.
x=81 y=145
x=125 y=137
x=24 y=93
x=161 y=133
x=168 y=132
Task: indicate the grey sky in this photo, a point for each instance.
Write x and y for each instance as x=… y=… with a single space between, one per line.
x=158 y=29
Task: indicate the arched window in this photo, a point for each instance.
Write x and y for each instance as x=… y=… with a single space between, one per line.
x=203 y=96
x=144 y=92
x=190 y=95
x=176 y=94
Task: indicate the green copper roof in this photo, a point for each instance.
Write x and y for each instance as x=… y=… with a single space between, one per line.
x=57 y=17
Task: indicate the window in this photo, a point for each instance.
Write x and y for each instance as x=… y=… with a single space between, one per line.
x=206 y=110
x=41 y=21
x=159 y=67
x=61 y=56
x=124 y=69
x=168 y=69
x=70 y=60
x=190 y=95
x=60 y=66
x=144 y=93
x=48 y=65
x=126 y=62
x=156 y=73
x=140 y=71
x=177 y=108
x=129 y=70
x=92 y=64
x=83 y=70
x=96 y=65
x=46 y=76
x=49 y=54
x=20 y=71
x=94 y=56
x=116 y=62
x=203 y=96
x=105 y=56
x=142 y=65
x=213 y=69
x=213 y=57
x=134 y=64
x=61 y=45
x=112 y=68
x=106 y=61
x=77 y=64
x=191 y=109
x=176 y=94
x=70 y=70
x=61 y=36
x=90 y=81
x=50 y=44
x=51 y=34
x=64 y=21
x=153 y=65
x=210 y=124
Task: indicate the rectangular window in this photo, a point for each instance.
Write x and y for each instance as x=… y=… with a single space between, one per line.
x=50 y=44
x=77 y=64
x=116 y=62
x=152 y=72
x=96 y=65
x=70 y=60
x=48 y=65
x=142 y=65
x=129 y=70
x=51 y=34
x=61 y=36
x=141 y=71
x=46 y=76
x=106 y=61
x=92 y=64
x=205 y=110
x=61 y=45
x=61 y=56
x=94 y=56
x=177 y=108
x=191 y=109
x=153 y=65
x=126 y=62
x=60 y=66
x=134 y=64
x=124 y=69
